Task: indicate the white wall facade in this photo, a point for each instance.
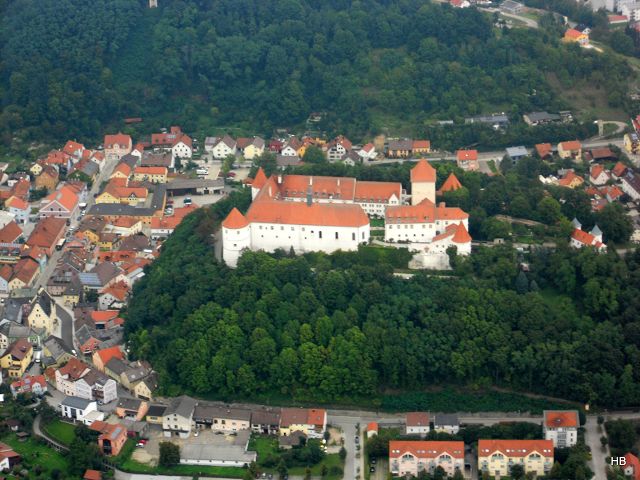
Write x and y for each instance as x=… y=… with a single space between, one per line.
x=561 y=437
x=181 y=150
x=418 y=232
x=222 y=150
x=422 y=190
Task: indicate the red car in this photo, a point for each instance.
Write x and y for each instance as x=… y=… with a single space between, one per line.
x=231 y=174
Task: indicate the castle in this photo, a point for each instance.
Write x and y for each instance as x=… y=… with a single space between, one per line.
x=316 y=213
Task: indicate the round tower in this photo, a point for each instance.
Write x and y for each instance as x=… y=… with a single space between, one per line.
x=236 y=236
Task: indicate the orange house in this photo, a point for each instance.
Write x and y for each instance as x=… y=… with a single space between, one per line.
x=112 y=437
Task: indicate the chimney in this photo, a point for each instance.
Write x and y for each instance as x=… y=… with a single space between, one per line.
x=338 y=182
x=442 y=205
x=279 y=179
x=310 y=180
x=309 y=197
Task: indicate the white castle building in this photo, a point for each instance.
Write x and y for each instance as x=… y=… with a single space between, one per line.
x=314 y=213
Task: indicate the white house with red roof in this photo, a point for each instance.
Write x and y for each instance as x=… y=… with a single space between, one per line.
x=496 y=457
x=561 y=427
x=410 y=457
x=337 y=148
x=35 y=384
x=632 y=466
x=468 y=160
x=598 y=175
x=417 y=423
x=19 y=208
x=368 y=152
x=581 y=239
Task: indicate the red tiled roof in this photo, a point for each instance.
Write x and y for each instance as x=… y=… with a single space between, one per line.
x=260 y=179
x=123 y=168
x=571 y=145
x=461 y=235
x=568 y=179
x=118 y=291
x=19 y=348
x=235 y=220
x=450 y=184
x=558 y=419
x=424 y=212
x=634 y=463
x=109 y=353
x=99 y=316
x=426 y=449
x=377 y=191
x=619 y=169
x=596 y=171
x=421 y=144
x=543 y=149
x=617 y=18
x=16 y=202
x=92 y=475
x=72 y=147
x=585 y=238
x=302 y=416
x=65 y=197
x=299 y=213
x=372 y=427
x=515 y=448
x=423 y=172
x=119 y=139
x=572 y=34
x=417 y=419
x=467 y=155
x=25 y=270
x=151 y=170
x=46 y=232
x=74 y=368
x=10 y=232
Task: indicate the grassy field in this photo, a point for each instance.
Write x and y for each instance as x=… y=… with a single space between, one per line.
x=377 y=222
x=35 y=454
x=61 y=431
x=133 y=466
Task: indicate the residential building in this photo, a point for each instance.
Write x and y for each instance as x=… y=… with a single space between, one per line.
x=372 y=429
x=570 y=180
x=447 y=423
x=561 y=427
x=155 y=414
x=575 y=36
x=34 y=384
x=19 y=208
x=48 y=178
x=67 y=375
x=631 y=143
x=102 y=357
x=400 y=148
x=265 y=421
x=116 y=146
x=250 y=148
x=631 y=468
x=17 y=358
x=630 y=184
x=517 y=153
x=571 y=149
x=496 y=457
x=496 y=120
x=631 y=11
x=80 y=410
x=619 y=171
x=509 y=6
x=423 y=182
x=132 y=408
x=145 y=387
x=150 y=174
x=112 y=437
x=337 y=148
x=178 y=417
x=368 y=152
x=417 y=423
x=544 y=150
x=42 y=316
x=47 y=233
x=413 y=457
x=8 y=458
x=468 y=160
x=10 y=233
x=223 y=147
x=310 y=421
x=420 y=147
x=221 y=419
x=55 y=352
x=598 y=175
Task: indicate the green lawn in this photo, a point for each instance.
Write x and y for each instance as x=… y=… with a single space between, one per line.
x=377 y=222
x=34 y=454
x=330 y=460
x=133 y=466
x=263 y=446
x=63 y=432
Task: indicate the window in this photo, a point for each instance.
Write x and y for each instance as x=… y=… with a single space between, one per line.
x=320 y=234
x=336 y=235
x=353 y=236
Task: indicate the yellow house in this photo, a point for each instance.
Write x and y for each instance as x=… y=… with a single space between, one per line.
x=43 y=312
x=631 y=143
x=155 y=414
x=572 y=149
x=106 y=241
x=497 y=456
x=107 y=197
x=145 y=387
x=17 y=358
x=36 y=169
x=151 y=174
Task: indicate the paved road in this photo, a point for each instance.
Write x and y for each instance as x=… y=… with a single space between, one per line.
x=592 y=439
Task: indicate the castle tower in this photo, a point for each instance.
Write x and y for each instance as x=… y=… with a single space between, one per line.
x=258 y=183
x=236 y=236
x=423 y=182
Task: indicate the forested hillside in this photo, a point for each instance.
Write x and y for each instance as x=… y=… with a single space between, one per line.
x=342 y=327
x=73 y=68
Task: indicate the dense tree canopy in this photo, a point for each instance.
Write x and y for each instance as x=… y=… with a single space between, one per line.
x=343 y=326
x=370 y=65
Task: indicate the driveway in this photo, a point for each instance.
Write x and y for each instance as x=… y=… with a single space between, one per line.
x=592 y=436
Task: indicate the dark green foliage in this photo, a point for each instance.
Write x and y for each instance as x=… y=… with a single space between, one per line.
x=263 y=64
x=169 y=454
x=332 y=328
x=623 y=435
